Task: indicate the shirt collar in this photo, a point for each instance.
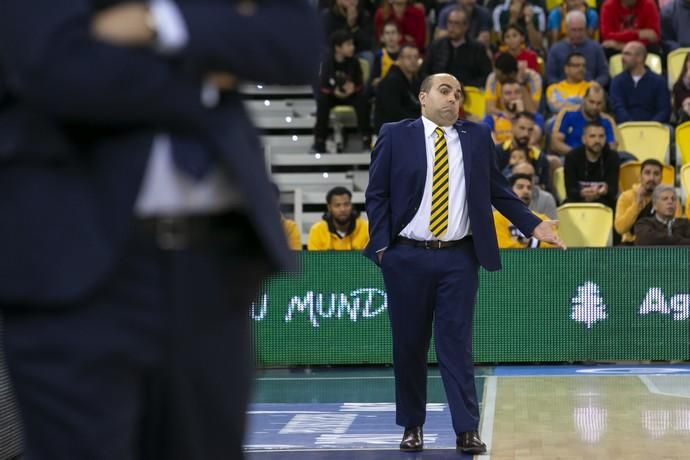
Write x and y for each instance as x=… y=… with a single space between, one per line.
x=430 y=127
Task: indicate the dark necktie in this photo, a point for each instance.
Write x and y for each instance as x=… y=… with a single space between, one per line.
x=191 y=157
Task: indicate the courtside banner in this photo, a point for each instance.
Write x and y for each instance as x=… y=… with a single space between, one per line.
x=545 y=305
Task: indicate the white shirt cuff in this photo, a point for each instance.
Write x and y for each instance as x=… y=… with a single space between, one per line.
x=172 y=30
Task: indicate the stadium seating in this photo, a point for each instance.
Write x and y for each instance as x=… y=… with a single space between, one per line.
x=674 y=64
x=559 y=184
x=551 y=4
x=344 y=116
x=646 y=139
x=683 y=143
x=653 y=61
x=585 y=224
x=630 y=174
x=475 y=104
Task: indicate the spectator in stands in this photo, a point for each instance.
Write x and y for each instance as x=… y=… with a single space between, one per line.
x=625 y=21
x=515 y=155
x=636 y=203
x=501 y=121
x=637 y=93
x=507 y=234
x=568 y=93
x=681 y=92
x=341 y=228
x=506 y=68
x=458 y=55
x=662 y=228
x=410 y=19
x=514 y=43
x=675 y=24
x=479 y=18
x=521 y=135
x=348 y=15
x=292 y=232
x=569 y=124
x=542 y=201
x=525 y=14
x=591 y=171
x=388 y=54
x=341 y=84
x=557 y=28
x=576 y=41
x=397 y=95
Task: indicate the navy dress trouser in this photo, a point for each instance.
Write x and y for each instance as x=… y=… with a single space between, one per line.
x=432 y=287
x=155 y=365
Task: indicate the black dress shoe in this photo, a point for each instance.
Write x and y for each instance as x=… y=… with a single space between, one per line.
x=470 y=442
x=413 y=439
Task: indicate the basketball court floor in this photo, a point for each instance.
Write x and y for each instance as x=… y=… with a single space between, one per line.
x=528 y=412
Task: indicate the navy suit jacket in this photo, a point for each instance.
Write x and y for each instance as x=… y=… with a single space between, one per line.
x=79 y=116
x=396 y=184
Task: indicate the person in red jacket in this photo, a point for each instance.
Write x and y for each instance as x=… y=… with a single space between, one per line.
x=409 y=18
x=623 y=21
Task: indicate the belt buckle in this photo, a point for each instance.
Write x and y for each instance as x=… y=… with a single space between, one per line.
x=433 y=244
x=172 y=233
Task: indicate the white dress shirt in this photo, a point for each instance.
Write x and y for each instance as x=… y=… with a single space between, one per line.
x=166 y=191
x=458 y=218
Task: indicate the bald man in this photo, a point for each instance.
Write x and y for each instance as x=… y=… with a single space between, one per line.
x=432 y=183
x=637 y=93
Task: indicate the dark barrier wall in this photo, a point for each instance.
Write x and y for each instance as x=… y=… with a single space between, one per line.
x=544 y=306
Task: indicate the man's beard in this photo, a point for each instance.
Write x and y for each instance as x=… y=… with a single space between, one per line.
x=522 y=142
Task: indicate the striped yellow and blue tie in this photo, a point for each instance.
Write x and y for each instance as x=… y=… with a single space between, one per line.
x=438 y=223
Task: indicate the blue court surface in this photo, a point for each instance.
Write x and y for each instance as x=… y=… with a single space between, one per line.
x=345 y=413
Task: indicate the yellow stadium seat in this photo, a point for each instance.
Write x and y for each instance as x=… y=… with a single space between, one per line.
x=683 y=143
x=674 y=62
x=645 y=139
x=551 y=4
x=685 y=178
x=585 y=224
x=629 y=175
x=653 y=61
x=475 y=103
x=559 y=184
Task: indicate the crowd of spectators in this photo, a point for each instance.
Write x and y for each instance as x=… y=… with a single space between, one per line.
x=544 y=72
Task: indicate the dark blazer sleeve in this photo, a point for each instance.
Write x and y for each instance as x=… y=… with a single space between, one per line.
x=502 y=196
x=278 y=35
x=62 y=71
x=377 y=196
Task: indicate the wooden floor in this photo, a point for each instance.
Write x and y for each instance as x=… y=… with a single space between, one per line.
x=602 y=417
x=586 y=413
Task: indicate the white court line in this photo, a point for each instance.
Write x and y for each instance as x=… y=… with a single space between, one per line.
x=487 y=431
x=651 y=386
x=269 y=379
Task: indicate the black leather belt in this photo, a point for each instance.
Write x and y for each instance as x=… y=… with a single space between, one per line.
x=432 y=244
x=183 y=232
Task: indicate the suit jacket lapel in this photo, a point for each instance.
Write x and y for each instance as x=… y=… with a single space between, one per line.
x=418 y=144
x=466 y=144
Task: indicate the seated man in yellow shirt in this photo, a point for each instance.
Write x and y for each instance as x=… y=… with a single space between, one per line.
x=568 y=93
x=292 y=233
x=341 y=229
x=636 y=203
x=509 y=237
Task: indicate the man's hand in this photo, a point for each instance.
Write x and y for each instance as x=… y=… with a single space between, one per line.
x=612 y=44
x=125 y=24
x=222 y=81
x=546 y=232
x=648 y=34
x=589 y=193
x=639 y=196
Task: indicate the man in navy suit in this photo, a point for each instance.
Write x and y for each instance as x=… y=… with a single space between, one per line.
x=137 y=217
x=432 y=182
